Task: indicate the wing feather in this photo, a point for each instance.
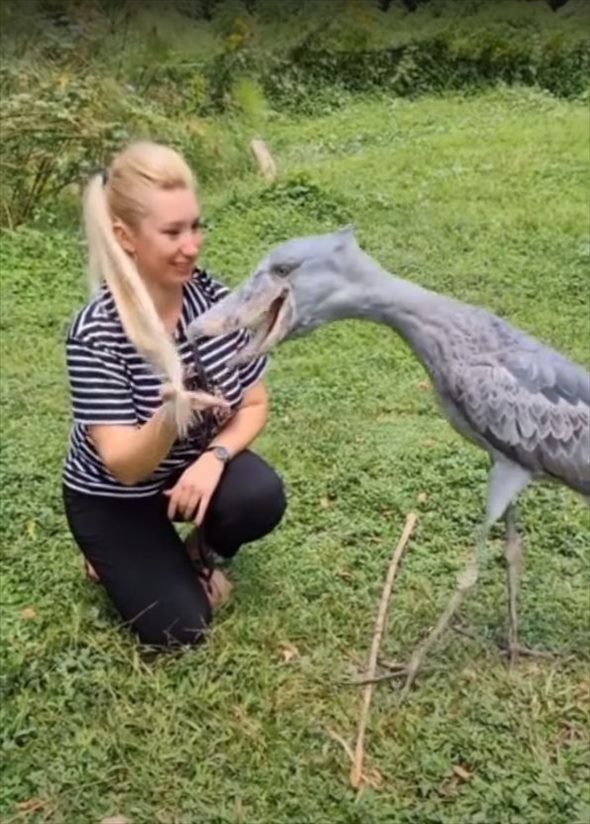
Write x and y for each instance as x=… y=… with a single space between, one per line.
x=530 y=404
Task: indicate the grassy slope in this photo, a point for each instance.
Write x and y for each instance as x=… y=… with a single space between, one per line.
x=483 y=198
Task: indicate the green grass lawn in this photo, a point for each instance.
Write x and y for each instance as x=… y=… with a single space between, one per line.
x=484 y=198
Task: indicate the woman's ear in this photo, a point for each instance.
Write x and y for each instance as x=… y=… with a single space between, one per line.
x=124 y=236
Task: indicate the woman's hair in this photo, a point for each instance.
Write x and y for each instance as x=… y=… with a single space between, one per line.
x=121 y=194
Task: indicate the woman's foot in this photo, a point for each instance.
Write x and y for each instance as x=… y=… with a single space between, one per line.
x=218 y=588
x=91 y=573
x=217 y=585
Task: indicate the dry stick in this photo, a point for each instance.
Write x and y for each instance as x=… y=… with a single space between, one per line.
x=264 y=159
x=356 y=772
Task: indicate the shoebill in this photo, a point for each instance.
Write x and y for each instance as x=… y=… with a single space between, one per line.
x=522 y=402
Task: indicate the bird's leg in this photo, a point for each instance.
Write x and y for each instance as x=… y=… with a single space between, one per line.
x=465 y=581
x=506 y=481
x=514 y=569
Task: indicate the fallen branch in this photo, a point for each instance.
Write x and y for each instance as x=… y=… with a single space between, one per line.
x=344 y=744
x=264 y=159
x=400 y=671
x=357 y=766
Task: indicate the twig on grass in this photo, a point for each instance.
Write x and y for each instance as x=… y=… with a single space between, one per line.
x=356 y=771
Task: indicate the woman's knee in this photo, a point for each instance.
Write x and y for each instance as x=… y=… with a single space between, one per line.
x=264 y=499
x=247 y=505
x=165 y=630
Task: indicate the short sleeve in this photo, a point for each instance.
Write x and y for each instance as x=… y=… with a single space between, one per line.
x=251 y=372
x=100 y=391
x=214 y=289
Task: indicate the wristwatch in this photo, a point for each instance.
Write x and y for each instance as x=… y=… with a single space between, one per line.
x=220 y=452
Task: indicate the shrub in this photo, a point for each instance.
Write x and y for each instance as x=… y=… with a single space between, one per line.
x=55 y=130
x=79 y=89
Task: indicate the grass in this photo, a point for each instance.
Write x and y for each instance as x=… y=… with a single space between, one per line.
x=485 y=198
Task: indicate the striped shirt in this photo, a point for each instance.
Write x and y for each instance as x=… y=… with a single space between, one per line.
x=111 y=383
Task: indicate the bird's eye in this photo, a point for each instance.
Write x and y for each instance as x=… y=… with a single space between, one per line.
x=282 y=269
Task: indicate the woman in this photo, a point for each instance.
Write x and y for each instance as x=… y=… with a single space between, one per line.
x=161 y=429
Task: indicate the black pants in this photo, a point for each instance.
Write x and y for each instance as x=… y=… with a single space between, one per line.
x=142 y=561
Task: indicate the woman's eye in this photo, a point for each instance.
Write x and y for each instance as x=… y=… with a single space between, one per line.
x=197 y=226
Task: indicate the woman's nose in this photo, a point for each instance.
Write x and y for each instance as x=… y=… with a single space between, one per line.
x=191 y=246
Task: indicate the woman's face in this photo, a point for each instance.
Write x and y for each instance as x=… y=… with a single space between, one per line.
x=167 y=242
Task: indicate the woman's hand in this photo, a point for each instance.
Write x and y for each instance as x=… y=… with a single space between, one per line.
x=196 y=485
x=194 y=489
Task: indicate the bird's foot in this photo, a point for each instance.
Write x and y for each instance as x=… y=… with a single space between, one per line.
x=396 y=671
x=411 y=671
x=514 y=650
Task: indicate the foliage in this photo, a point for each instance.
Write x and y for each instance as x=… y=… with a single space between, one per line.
x=352 y=47
x=483 y=198
x=57 y=129
x=428 y=52
x=77 y=80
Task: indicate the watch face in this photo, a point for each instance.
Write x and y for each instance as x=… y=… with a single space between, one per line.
x=222 y=453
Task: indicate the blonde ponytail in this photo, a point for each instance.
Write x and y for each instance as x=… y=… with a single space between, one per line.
x=109 y=263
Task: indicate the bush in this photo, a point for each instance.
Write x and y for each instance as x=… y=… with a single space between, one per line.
x=348 y=45
x=56 y=130
x=211 y=84
x=439 y=48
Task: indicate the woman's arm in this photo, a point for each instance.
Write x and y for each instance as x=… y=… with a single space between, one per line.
x=102 y=401
x=132 y=453
x=198 y=482
x=247 y=423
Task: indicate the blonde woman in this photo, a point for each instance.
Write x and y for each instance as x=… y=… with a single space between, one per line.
x=161 y=429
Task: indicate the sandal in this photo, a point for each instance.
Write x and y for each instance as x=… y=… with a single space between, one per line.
x=217 y=585
x=200 y=554
x=218 y=588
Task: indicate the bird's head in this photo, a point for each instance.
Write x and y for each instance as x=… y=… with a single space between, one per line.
x=293 y=290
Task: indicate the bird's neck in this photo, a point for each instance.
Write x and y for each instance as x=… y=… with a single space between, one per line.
x=374 y=294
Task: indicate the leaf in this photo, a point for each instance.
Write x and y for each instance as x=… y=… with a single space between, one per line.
x=459 y=776
x=345 y=574
x=462 y=773
x=116 y=819
x=289 y=652
x=422 y=498
x=569 y=735
x=28 y=613
x=33 y=805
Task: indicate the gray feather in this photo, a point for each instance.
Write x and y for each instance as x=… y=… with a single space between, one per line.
x=515 y=395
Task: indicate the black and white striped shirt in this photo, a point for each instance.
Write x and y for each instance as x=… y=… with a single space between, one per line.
x=111 y=383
